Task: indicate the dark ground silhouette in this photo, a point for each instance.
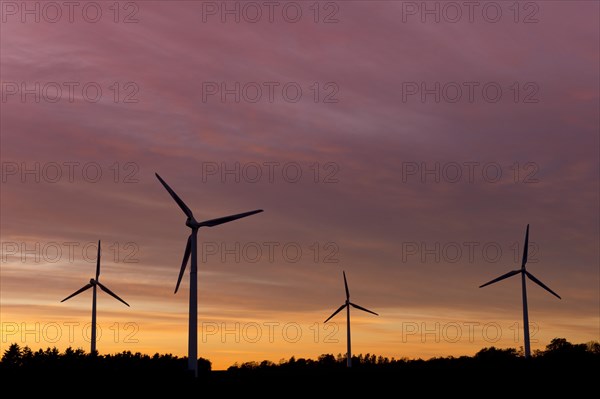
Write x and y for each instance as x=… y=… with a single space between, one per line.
x=562 y=366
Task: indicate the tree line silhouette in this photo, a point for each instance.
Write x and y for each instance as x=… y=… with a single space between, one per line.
x=558 y=354
x=559 y=349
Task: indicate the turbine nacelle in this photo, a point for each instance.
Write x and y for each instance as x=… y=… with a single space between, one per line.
x=93 y=282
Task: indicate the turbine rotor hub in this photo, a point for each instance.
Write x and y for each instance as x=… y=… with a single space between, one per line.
x=92 y=281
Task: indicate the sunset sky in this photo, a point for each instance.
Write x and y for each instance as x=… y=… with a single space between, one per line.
x=409 y=152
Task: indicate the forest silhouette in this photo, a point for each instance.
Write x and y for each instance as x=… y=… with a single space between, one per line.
x=560 y=365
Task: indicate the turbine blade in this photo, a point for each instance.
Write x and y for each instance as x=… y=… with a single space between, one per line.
x=216 y=222
x=361 y=308
x=109 y=292
x=538 y=282
x=79 y=291
x=181 y=204
x=336 y=312
x=186 y=257
x=525 y=248
x=507 y=275
x=98 y=262
x=346 y=285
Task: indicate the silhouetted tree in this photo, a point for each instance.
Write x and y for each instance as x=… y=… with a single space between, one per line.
x=496 y=354
x=593 y=347
x=12 y=356
x=327 y=360
x=561 y=348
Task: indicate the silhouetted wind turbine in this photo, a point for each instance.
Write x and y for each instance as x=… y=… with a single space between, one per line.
x=524 y=273
x=347 y=305
x=93 y=283
x=192 y=247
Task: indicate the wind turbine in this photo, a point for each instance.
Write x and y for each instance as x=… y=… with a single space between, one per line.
x=347 y=305
x=524 y=273
x=192 y=248
x=95 y=283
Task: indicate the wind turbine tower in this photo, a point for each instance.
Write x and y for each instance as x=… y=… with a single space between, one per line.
x=347 y=305
x=191 y=248
x=523 y=271
x=93 y=284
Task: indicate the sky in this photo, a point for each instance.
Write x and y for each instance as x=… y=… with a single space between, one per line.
x=408 y=144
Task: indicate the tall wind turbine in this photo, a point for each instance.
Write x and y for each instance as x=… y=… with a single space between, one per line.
x=192 y=248
x=347 y=305
x=524 y=273
x=95 y=283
